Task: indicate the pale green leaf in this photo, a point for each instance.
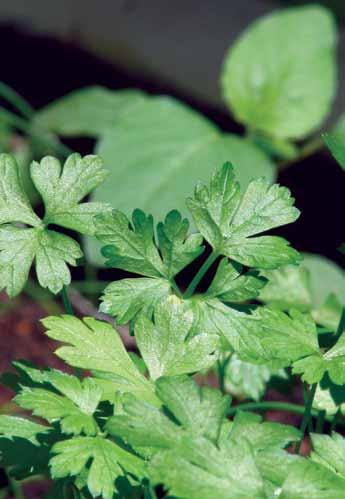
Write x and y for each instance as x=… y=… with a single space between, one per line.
x=62 y=190
x=124 y=299
x=312 y=480
x=195 y=411
x=325 y=278
x=287 y=287
x=17 y=251
x=317 y=285
x=245 y=379
x=74 y=409
x=333 y=362
x=200 y=410
x=108 y=462
x=165 y=345
x=200 y=471
x=15 y=427
x=266 y=336
x=264 y=252
x=53 y=252
x=280 y=75
x=158 y=151
x=329 y=397
x=95 y=345
x=89 y=111
x=262 y=435
x=14 y=203
x=329 y=314
x=329 y=451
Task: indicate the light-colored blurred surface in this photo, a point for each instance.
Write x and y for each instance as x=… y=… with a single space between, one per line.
x=181 y=42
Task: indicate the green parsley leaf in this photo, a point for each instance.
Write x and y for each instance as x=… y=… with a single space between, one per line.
x=309 y=479
x=200 y=470
x=95 y=345
x=74 y=410
x=61 y=192
x=124 y=299
x=196 y=411
x=165 y=344
x=245 y=379
x=231 y=285
x=329 y=451
x=287 y=287
x=313 y=368
x=329 y=397
x=14 y=203
x=130 y=247
x=178 y=249
x=24 y=446
x=227 y=222
x=262 y=435
x=63 y=189
x=15 y=427
x=108 y=462
x=266 y=336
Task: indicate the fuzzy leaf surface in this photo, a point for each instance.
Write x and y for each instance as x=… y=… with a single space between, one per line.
x=164 y=343
x=228 y=221
x=107 y=463
x=95 y=345
x=61 y=191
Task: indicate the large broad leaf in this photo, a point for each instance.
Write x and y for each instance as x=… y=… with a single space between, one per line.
x=157 y=152
x=325 y=278
x=86 y=112
x=317 y=285
x=279 y=77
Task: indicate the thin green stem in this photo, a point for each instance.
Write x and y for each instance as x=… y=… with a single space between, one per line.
x=341 y=325
x=149 y=491
x=15 y=487
x=306 y=416
x=66 y=301
x=320 y=421
x=335 y=420
x=314 y=145
x=16 y=100
x=175 y=288
x=200 y=274
x=276 y=406
x=21 y=124
x=221 y=370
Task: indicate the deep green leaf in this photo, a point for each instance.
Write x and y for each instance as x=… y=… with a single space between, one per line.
x=130 y=247
x=157 y=151
x=178 y=249
x=231 y=285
